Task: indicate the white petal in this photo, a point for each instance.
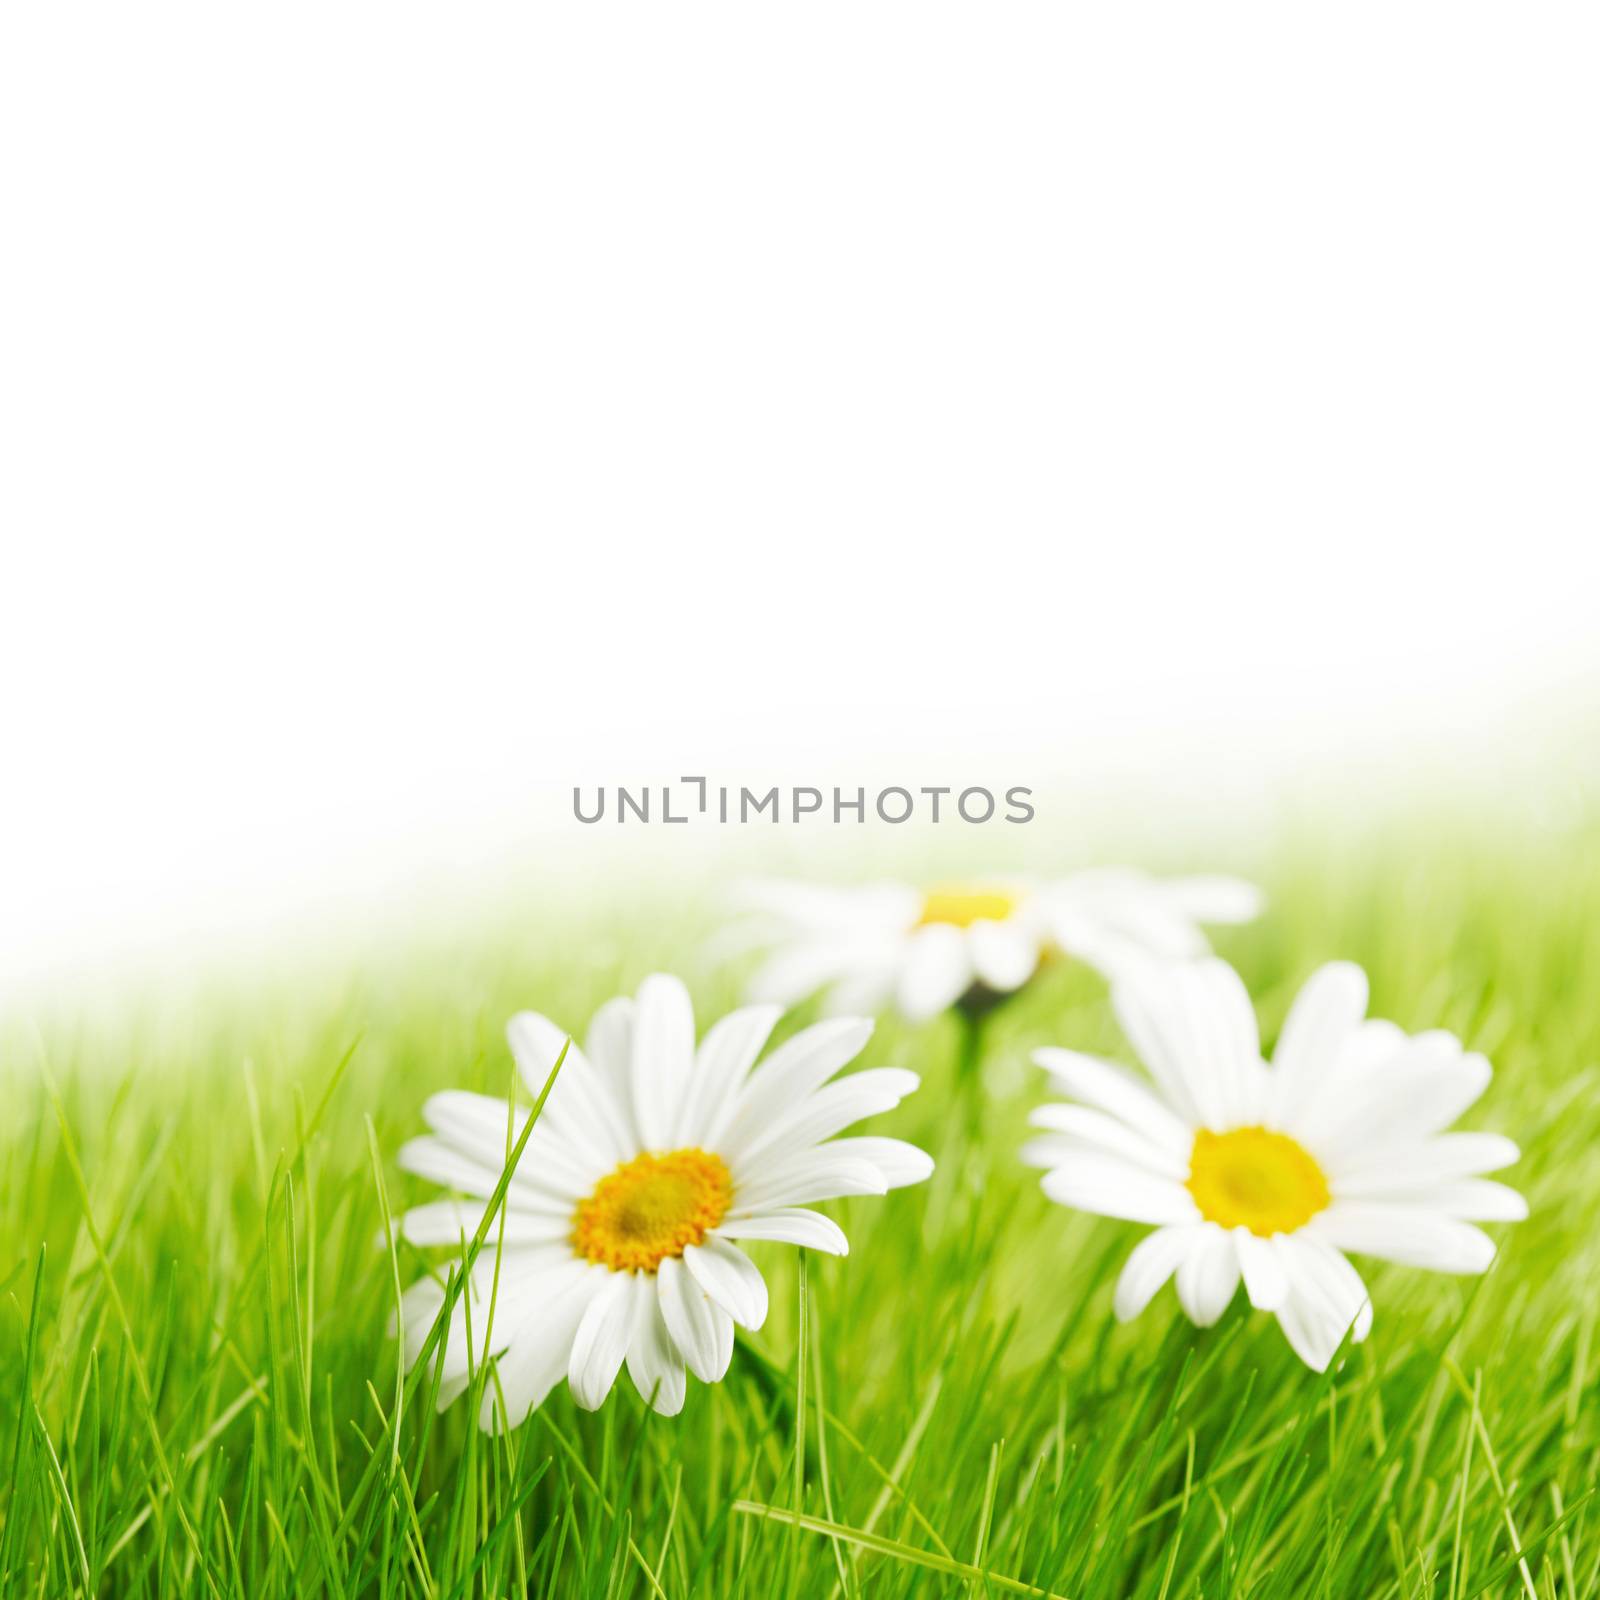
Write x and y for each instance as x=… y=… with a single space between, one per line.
x=860 y=994
x=806 y=1176
x=1311 y=1335
x=1117 y=921
x=537 y=1357
x=791 y=1074
x=609 y=1041
x=1473 y=1200
x=654 y=1363
x=1194 y=1028
x=702 y=1330
x=1112 y=1188
x=1107 y=1133
x=1230 y=1075
x=729 y=1276
x=1389 y=1093
x=1265 y=1281
x=1003 y=954
x=476 y=1125
x=1327 y=1299
x=1109 y=1088
x=1049 y=1150
x=450 y=1222
x=936 y=973
x=601 y=1343
x=1325 y=1013
x=531 y=1282
x=795 y=971
x=829 y=1111
x=1153 y=1261
x=900 y=1163
x=721 y=1067
x=1407 y=1234
x=1212 y=897
x=1208 y=1275
x=809 y=1229
x=1428 y=1095
x=1442 y=1159
x=1339 y=1283
x=608 y=1045
x=663 y=1054
x=531 y=1188
x=439 y=1162
x=583 y=1108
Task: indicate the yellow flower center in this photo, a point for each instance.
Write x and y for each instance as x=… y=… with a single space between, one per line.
x=650 y=1208
x=961 y=907
x=1257 y=1179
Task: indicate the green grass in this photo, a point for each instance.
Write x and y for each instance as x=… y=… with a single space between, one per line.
x=197 y=1394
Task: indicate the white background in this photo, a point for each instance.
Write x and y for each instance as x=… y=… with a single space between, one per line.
x=407 y=412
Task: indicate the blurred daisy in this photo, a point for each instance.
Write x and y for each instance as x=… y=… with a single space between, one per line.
x=926 y=950
x=651 y=1160
x=1271 y=1174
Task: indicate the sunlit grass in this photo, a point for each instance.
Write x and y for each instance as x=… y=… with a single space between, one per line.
x=197 y=1393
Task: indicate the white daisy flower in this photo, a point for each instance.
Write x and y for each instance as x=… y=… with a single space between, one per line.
x=1273 y=1173
x=650 y=1160
x=925 y=950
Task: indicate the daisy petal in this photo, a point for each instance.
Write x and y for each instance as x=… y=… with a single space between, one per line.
x=829 y=1111
x=663 y=1053
x=450 y=1222
x=729 y=1276
x=702 y=1331
x=1473 y=1200
x=1325 y=1013
x=809 y=1229
x=654 y=1363
x=788 y=975
x=439 y=1162
x=1213 y=897
x=1265 y=1281
x=582 y=1106
x=535 y=1280
x=1153 y=1261
x=793 y=1072
x=806 y=1176
x=1208 y=1275
x=1113 y=1188
x=1389 y=1095
x=1194 y=1028
x=1311 y=1335
x=900 y=1163
x=1340 y=1285
x=1327 y=1299
x=1107 y=1133
x=1003 y=955
x=601 y=1342
x=1430 y=1095
x=1407 y=1234
x=1109 y=1088
x=554 y=1159
x=937 y=972
x=532 y=1188
x=608 y=1045
x=1049 y=1150
x=721 y=1067
x=1442 y=1159
x=537 y=1357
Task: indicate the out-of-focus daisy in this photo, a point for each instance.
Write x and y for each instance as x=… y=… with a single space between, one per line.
x=924 y=950
x=651 y=1160
x=1273 y=1173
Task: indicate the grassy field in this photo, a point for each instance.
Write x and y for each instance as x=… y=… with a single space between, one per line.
x=198 y=1396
